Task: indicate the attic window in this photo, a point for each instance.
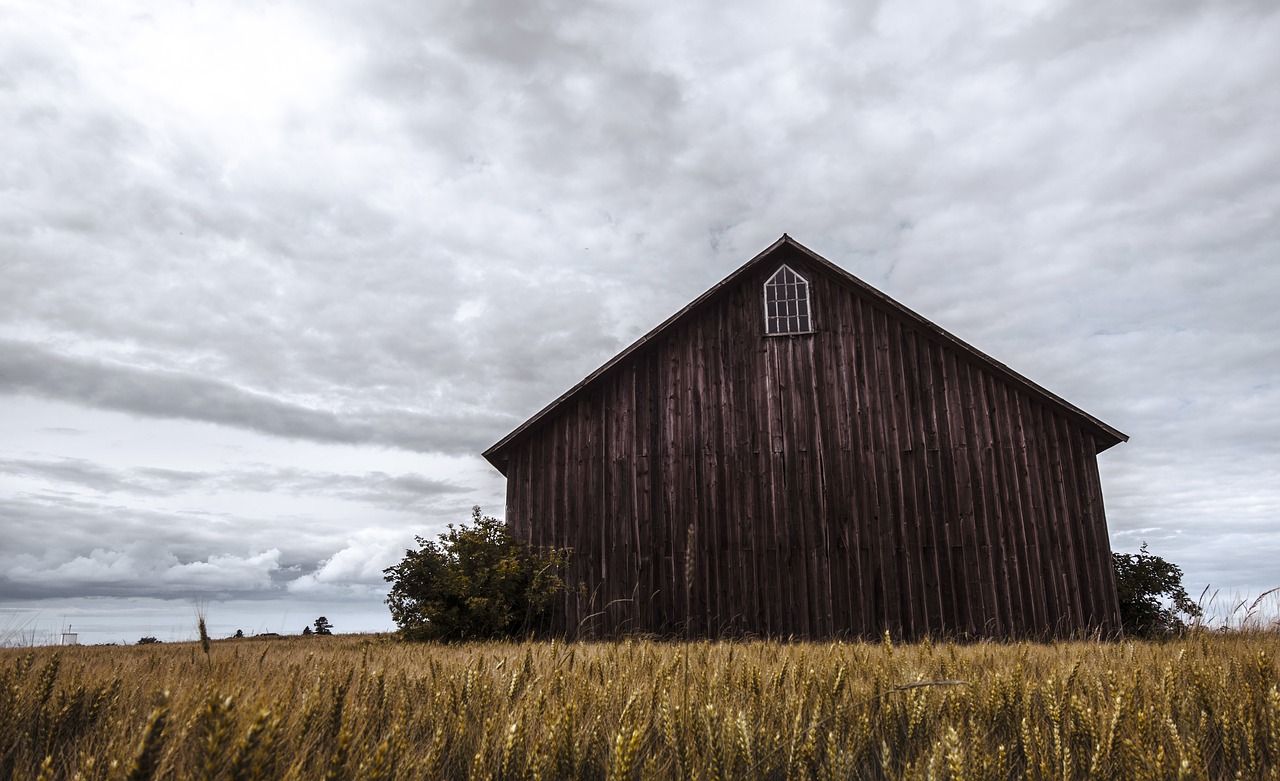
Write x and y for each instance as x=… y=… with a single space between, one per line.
x=786 y=304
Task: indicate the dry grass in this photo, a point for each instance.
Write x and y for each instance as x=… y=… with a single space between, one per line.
x=372 y=708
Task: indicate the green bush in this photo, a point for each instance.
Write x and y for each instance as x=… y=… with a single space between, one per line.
x=1152 y=599
x=477 y=583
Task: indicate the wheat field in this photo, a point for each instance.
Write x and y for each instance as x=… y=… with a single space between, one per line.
x=370 y=707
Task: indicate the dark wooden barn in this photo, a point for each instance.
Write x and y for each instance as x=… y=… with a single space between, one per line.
x=796 y=454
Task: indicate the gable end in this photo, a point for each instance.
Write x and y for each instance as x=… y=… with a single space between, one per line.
x=788 y=252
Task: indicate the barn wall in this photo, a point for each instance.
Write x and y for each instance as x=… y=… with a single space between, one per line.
x=863 y=478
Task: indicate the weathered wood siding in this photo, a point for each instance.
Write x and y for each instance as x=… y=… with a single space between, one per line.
x=864 y=478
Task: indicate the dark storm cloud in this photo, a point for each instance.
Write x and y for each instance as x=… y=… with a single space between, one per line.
x=29 y=369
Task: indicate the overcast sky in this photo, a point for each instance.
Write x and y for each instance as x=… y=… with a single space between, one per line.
x=273 y=274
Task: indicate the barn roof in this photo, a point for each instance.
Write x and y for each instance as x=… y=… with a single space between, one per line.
x=1105 y=434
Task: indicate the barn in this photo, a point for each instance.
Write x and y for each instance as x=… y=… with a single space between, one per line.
x=795 y=454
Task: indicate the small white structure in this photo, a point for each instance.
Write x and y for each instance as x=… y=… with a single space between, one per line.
x=70 y=638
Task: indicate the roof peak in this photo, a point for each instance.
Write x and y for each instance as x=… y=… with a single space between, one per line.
x=1109 y=436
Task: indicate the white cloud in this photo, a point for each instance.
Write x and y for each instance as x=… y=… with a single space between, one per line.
x=138 y=568
x=356 y=569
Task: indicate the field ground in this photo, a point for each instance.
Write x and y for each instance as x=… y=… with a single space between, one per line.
x=370 y=707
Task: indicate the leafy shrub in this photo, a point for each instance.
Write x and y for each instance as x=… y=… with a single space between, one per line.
x=1152 y=599
x=478 y=582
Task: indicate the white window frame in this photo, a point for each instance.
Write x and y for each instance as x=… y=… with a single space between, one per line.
x=791 y=312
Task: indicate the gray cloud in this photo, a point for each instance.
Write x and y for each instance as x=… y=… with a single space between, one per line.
x=88 y=547
x=405 y=491
x=29 y=369
x=408 y=227
x=83 y=473
x=140 y=570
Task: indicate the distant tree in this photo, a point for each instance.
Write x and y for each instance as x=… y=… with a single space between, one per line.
x=239 y=633
x=1152 y=599
x=323 y=627
x=306 y=630
x=477 y=582
x=148 y=640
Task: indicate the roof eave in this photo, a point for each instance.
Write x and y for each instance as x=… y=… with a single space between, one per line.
x=1109 y=436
